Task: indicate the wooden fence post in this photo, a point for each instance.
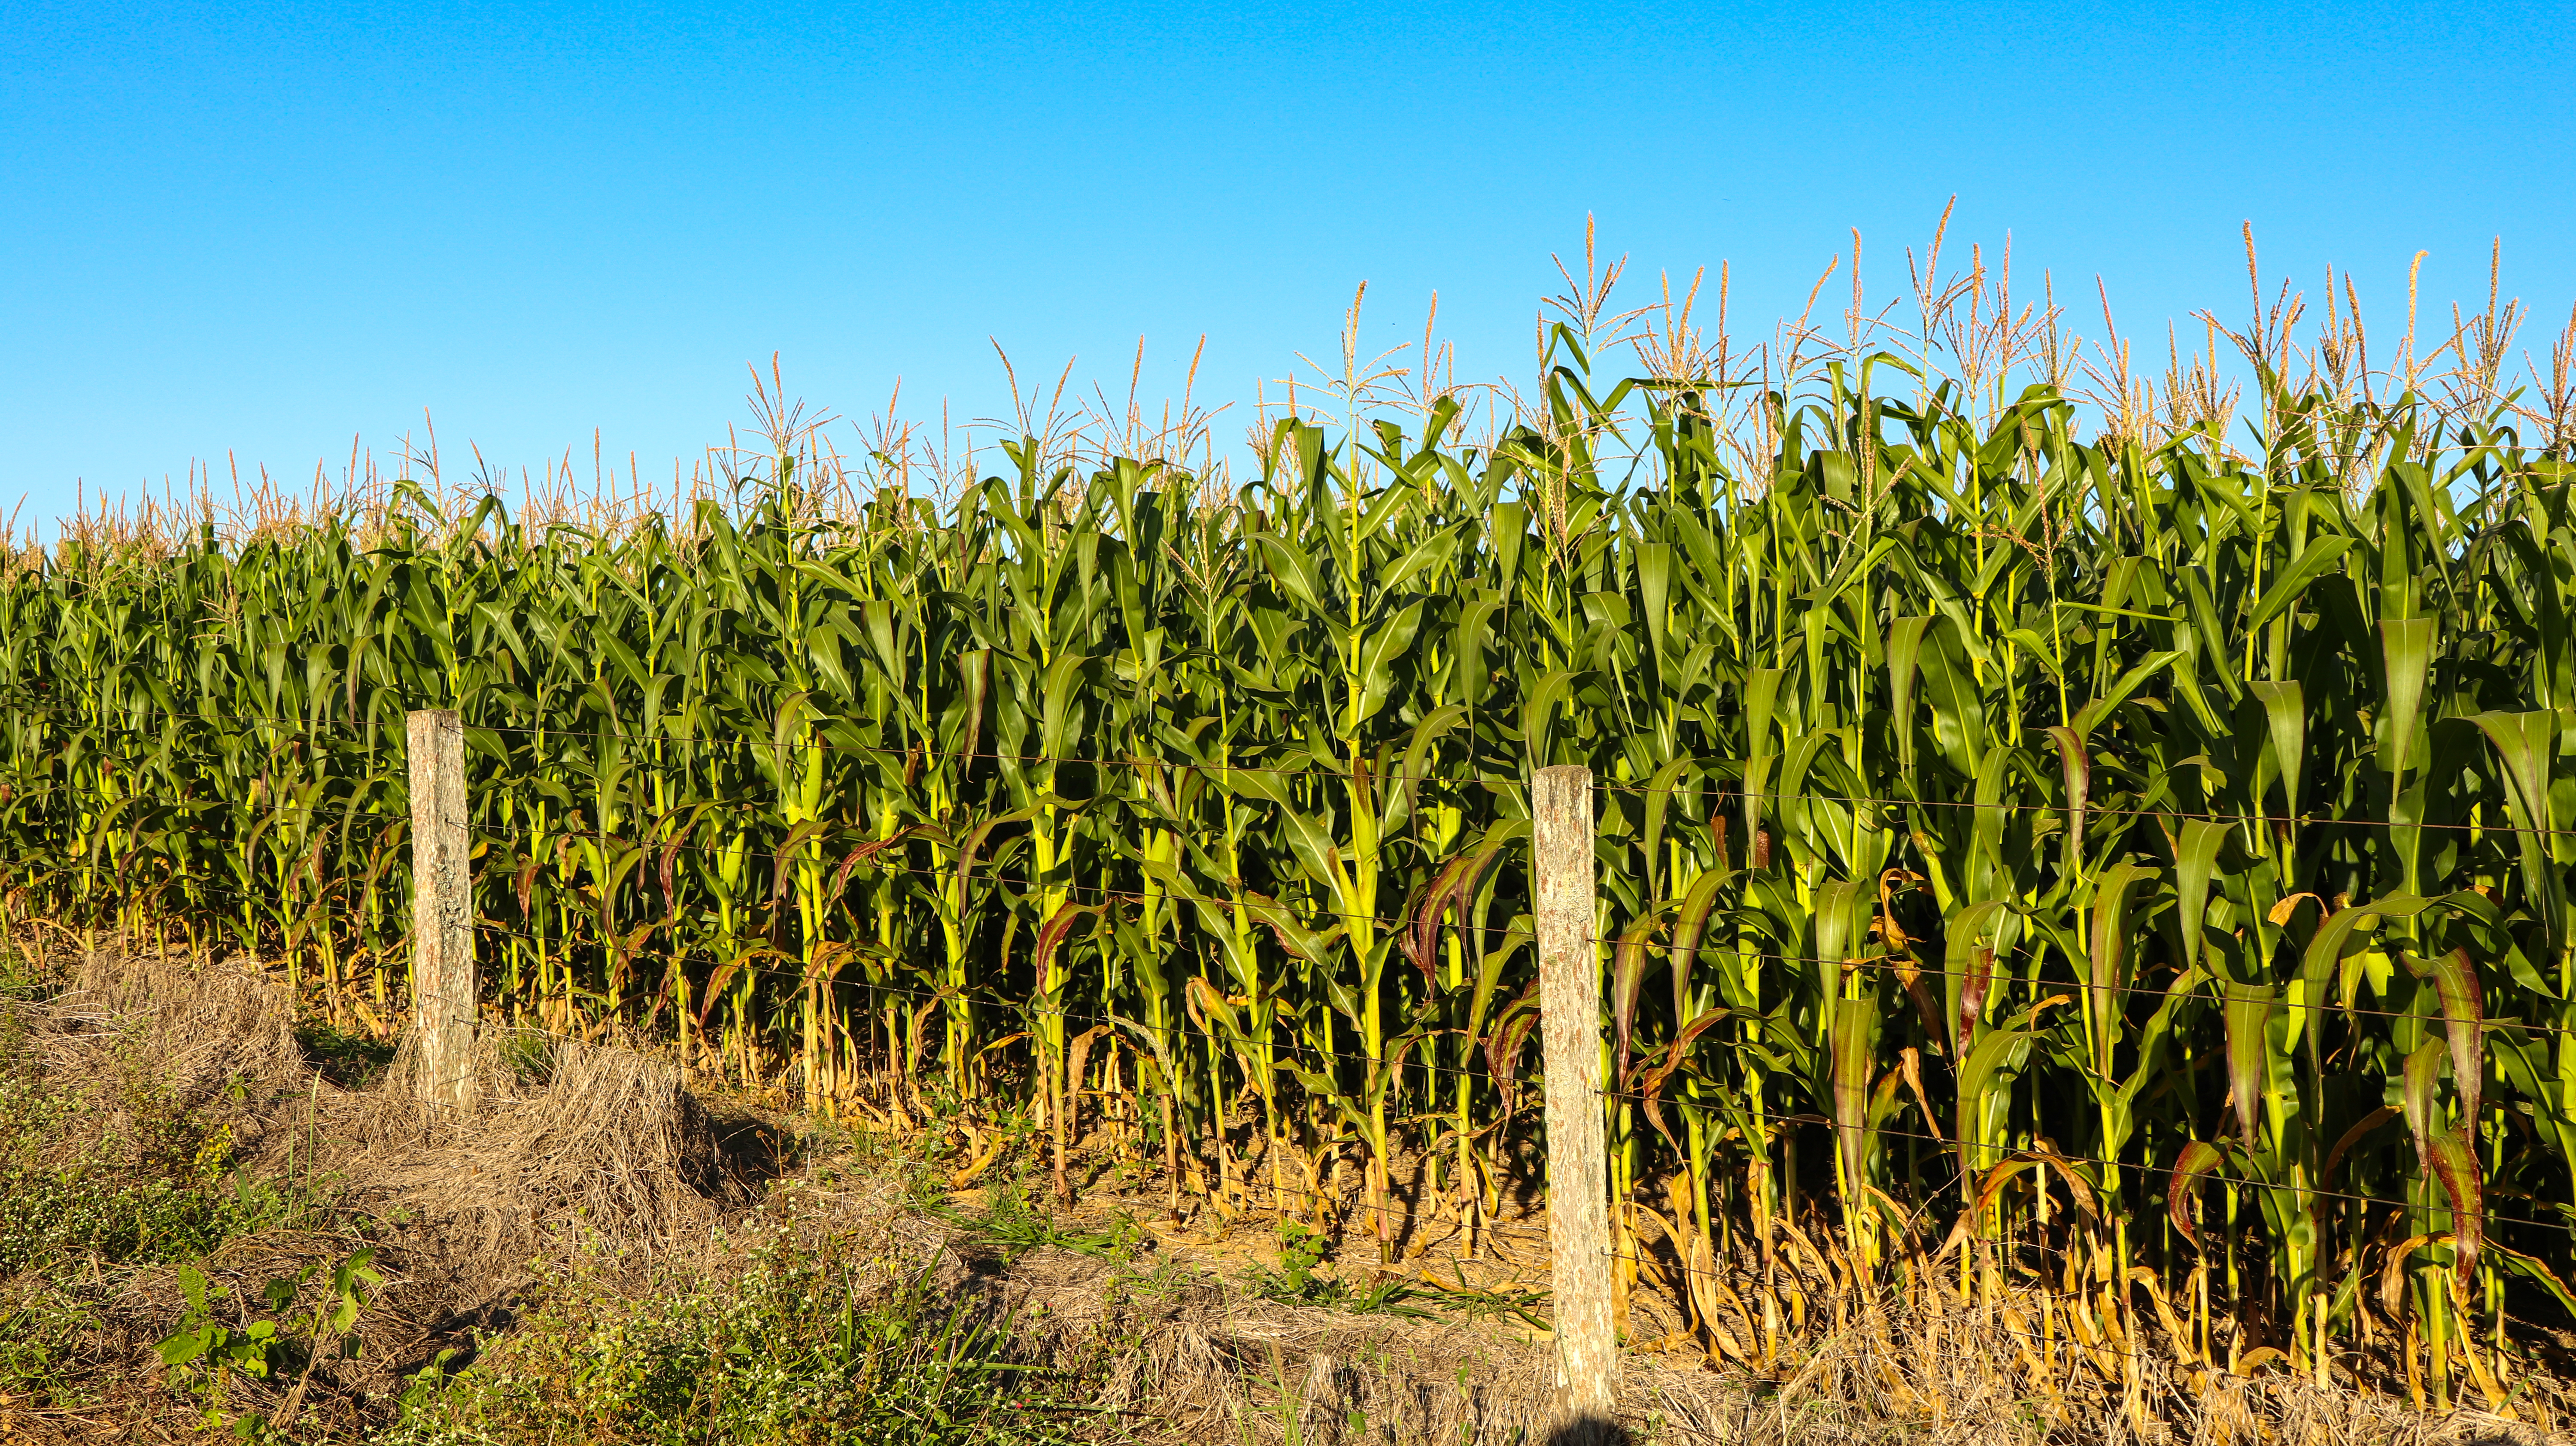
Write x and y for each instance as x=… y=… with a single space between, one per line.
x=1578 y=1173
x=444 y=987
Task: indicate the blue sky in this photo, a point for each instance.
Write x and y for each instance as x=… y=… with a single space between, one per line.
x=261 y=234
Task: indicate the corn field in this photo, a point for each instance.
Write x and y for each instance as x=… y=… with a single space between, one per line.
x=2052 y=822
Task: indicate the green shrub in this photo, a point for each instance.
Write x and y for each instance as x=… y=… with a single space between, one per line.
x=796 y=1347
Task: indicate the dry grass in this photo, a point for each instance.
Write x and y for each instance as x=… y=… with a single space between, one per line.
x=205 y=1030
x=1208 y=1361
x=580 y=1152
x=562 y=1131
x=1212 y=1363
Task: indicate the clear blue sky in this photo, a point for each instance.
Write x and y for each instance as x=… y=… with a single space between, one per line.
x=265 y=233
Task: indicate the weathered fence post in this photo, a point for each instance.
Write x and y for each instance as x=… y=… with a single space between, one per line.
x=443 y=983
x=1578 y=1178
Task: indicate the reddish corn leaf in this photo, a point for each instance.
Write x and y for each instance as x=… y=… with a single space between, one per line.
x=2190 y=1170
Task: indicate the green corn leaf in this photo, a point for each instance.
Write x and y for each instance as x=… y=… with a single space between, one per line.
x=2197 y=859
x=2523 y=744
x=2248 y=1009
x=1854 y=1046
x=2285 y=711
x=2109 y=974
x=2320 y=556
x=2406 y=658
x=1958 y=708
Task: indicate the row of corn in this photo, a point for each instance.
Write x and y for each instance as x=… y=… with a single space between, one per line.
x=2131 y=860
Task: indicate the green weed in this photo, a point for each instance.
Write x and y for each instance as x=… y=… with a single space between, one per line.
x=43 y=1328
x=47 y=1219
x=206 y=1355
x=797 y=1347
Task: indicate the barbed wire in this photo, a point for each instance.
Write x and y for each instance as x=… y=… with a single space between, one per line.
x=1320 y=768
x=2212 y=1177
x=1102 y=896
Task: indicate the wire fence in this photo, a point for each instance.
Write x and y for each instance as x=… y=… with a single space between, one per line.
x=1722 y=785
x=873 y=850
x=870 y=844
